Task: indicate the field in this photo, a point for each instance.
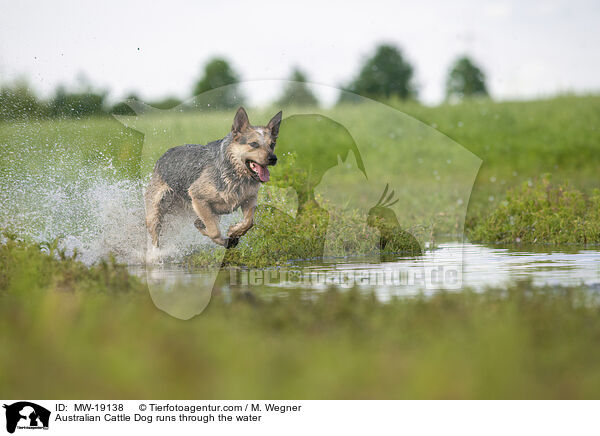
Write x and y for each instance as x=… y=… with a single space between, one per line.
x=93 y=331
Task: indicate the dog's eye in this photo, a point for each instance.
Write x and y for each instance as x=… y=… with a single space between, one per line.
x=254 y=144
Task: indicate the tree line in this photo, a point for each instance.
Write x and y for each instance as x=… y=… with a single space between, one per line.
x=385 y=75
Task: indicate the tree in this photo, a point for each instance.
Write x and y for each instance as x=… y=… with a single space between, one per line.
x=218 y=73
x=465 y=80
x=386 y=74
x=17 y=101
x=296 y=92
x=77 y=104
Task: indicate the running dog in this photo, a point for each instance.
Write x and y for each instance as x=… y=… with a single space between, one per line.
x=215 y=179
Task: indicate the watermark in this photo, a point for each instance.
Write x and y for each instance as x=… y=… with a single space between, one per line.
x=433 y=277
x=355 y=179
x=25 y=415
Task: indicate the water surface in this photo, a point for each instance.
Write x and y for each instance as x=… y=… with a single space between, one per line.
x=482 y=267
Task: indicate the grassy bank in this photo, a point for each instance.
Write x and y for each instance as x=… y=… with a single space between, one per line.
x=94 y=333
x=541 y=212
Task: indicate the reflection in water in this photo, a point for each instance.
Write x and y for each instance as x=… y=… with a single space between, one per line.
x=483 y=267
x=180 y=292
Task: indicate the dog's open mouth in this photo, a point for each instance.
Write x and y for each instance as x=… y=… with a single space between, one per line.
x=259 y=172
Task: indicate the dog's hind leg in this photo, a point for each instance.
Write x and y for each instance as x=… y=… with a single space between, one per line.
x=158 y=198
x=208 y=223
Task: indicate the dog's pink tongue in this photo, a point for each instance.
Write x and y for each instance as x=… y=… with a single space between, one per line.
x=263 y=173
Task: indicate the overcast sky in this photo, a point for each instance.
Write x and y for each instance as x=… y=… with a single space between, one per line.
x=155 y=48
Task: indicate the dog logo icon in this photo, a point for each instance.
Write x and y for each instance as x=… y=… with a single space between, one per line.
x=26 y=415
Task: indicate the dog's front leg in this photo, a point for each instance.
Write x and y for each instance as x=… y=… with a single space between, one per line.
x=210 y=221
x=238 y=230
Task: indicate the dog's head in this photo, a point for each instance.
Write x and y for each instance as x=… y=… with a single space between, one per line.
x=254 y=146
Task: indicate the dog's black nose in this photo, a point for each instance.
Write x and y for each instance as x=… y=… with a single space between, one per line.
x=272 y=159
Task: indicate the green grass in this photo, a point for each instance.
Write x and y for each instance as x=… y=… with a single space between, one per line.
x=25 y=266
x=520 y=141
x=277 y=238
x=67 y=331
x=542 y=212
x=30 y=144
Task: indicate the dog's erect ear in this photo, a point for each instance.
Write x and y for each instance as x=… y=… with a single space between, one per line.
x=240 y=122
x=273 y=125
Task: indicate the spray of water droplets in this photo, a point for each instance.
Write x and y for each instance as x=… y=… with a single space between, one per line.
x=52 y=194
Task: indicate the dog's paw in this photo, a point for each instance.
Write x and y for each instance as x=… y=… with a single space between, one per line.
x=234 y=232
x=199 y=224
x=231 y=242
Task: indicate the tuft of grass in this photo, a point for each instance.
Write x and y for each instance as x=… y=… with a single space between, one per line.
x=274 y=239
x=277 y=238
x=514 y=343
x=25 y=266
x=542 y=212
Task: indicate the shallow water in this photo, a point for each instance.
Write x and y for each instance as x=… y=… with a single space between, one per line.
x=482 y=266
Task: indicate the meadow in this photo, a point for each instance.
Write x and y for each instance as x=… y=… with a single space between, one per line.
x=93 y=331
x=345 y=166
